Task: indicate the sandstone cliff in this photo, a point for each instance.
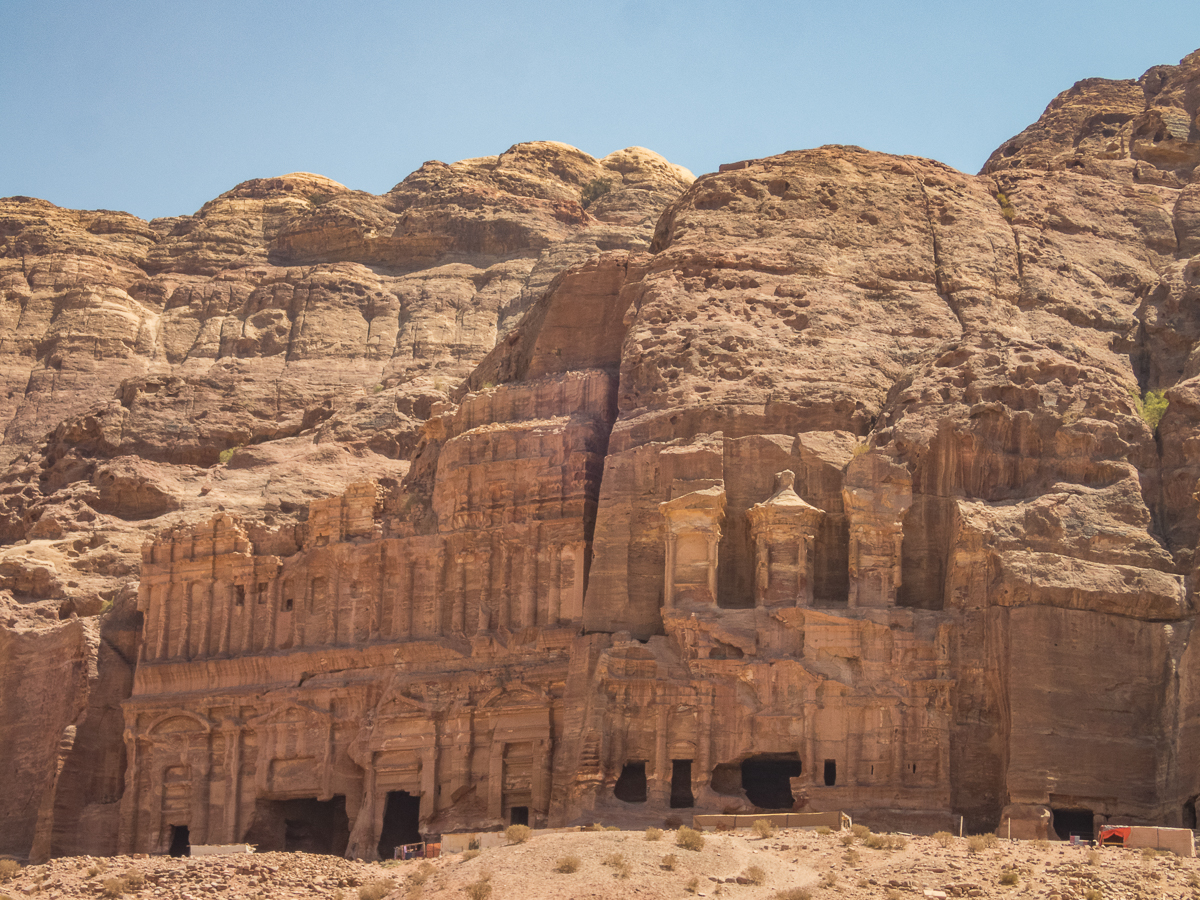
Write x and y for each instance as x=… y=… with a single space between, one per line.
x=830 y=480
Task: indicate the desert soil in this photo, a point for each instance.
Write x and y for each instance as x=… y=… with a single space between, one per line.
x=624 y=864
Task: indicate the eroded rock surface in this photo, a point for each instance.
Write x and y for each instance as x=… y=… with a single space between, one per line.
x=848 y=490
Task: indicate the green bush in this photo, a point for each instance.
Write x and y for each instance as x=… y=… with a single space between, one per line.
x=593 y=191
x=1154 y=405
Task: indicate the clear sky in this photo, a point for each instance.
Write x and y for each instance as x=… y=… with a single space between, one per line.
x=156 y=106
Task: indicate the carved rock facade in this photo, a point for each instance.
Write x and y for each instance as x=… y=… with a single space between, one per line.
x=841 y=496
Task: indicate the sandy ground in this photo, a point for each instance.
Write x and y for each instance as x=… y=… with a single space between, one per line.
x=624 y=864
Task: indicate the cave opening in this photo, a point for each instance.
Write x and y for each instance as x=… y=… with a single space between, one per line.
x=181 y=844
x=681 y=784
x=1189 y=813
x=830 y=772
x=401 y=822
x=306 y=825
x=766 y=779
x=631 y=786
x=1073 y=821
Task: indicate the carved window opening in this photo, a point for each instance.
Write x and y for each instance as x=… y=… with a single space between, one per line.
x=518 y=815
x=681 y=784
x=1073 y=821
x=239 y=595
x=181 y=844
x=401 y=822
x=766 y=778
x=306 y=825
x=355 y=590
x=631 y=786
x=261 y=591
x=830 y=772
x=289 y=596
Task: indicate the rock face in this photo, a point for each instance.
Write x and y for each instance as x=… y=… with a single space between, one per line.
x=847 y=490
x=287 y=340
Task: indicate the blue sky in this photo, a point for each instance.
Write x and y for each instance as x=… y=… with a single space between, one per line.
x=156 y=107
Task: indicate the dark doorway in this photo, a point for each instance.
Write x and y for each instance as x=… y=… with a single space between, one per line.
x=631 y=786
x=1189 y=814
x=1073 y=821
x=766 y=779
x=401 y=822
x=830 y=772
x=518 y=815
x=307 y=825
x=681 y=784
x=181 y=844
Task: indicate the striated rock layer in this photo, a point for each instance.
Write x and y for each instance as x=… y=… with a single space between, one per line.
x=846 y=490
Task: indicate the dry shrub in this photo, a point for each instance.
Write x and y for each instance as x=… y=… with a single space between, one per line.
x=669 y=862
x=1042 y=844
x=692 y=885
x=1149 y=852
x=976 y=843
x=518 y=834
x=376 y=890
x=8 y=869
x=1009 y=877
x=567 y=864
x=619 y=864
x=653 y=834
x=862 y=832
x=756 y=875
x=887 y=842
x=115 y=887
x=422 y=874
x=991 y=841
x=829 y=880
x=470 y=854
x=852 y=858
x=1093 y=894
x=824 y=829
x=134 y=879
x=764 y=828
x=689 y=839
x=481 y=889
x=943 y=838
x=1093 y=857
x=92 y=872
x=595 y=826
x=847 y=838
x=795 y=893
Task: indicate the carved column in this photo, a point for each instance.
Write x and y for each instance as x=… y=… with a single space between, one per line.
x=783 y=528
